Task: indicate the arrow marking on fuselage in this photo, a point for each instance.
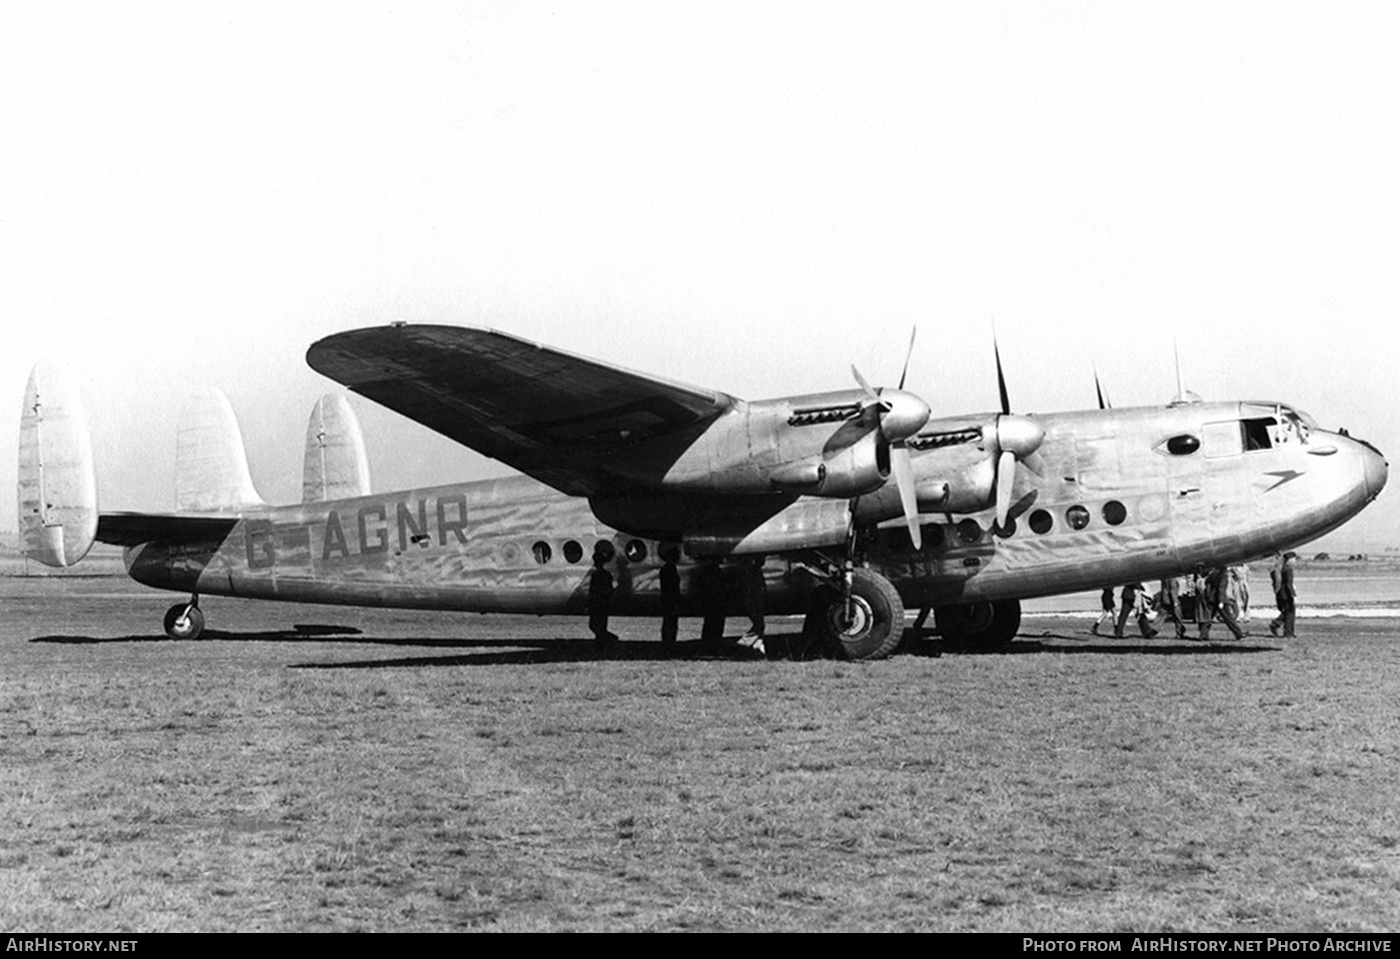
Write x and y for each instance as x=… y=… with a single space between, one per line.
x=1284 y=476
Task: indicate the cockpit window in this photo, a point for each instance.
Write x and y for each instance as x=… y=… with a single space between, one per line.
x=1260 y=428
x=1274 y=424
x=1259 y=434
x=1224 y=438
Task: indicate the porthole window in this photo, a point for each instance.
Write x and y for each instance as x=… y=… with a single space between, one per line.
x=1077 y=517
x=604 y=550
x=542 y=552
x=636 y=550
x=1183 y=445
x=1041 y=521
x=510 y=554
x=933 y=535
x=969 y=531
x=573 y=552
x=1114 y=512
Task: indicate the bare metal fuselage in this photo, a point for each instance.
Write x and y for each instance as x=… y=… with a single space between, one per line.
x=1111 y=496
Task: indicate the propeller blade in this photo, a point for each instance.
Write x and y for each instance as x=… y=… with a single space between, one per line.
x=907 y=357
x=902 y=465
x=1103 y=400
x=869 y=390
x=1001 y=378
x=1006 y=476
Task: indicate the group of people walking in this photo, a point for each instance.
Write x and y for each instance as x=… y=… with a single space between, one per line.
x=712 y=584
x=1201 y=598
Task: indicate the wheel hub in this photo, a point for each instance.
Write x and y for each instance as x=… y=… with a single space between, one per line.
x=851 y=618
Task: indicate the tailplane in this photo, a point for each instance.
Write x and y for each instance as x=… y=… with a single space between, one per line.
x=211 y=468
x=57 y=481
x=336 y=465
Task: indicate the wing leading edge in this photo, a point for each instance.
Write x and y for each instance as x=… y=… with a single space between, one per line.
x=547 y=413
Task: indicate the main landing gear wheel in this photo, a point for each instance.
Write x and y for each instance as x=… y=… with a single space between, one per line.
x=184 y=621
x=868 y=626
x=979 y=625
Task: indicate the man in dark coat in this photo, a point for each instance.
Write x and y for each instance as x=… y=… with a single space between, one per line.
x=670 y=579
x=1135 y=604
x=600 y=590
x=1218 y=589
x=1285 y=596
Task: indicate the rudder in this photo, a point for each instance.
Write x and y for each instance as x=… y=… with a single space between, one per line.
x=211 y=467
x=57 y=486
x=336 y=466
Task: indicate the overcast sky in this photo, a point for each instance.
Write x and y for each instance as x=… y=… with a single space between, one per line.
x=747 y=196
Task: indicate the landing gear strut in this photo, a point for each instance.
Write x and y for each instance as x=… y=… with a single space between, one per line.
x=184 y=620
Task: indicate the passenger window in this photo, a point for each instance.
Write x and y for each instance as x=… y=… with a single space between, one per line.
x=604 y=549
x=1183 y=445
x=542 y=552
x=969 y=531
x=1114 y=512
x=1041 y=521
x=573 y=552
x=1077 y=517
x=636 y=550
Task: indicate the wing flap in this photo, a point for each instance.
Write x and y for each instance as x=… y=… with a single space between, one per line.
x=550 y=414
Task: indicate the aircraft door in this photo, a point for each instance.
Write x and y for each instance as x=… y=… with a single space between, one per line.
x=1187 y=497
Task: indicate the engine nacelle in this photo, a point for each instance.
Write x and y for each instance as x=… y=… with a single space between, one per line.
x=710 y=526
x=806 y=524
x=833 y=445
x=854 y=470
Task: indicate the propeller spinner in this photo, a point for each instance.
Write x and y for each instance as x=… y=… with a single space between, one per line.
x=901 y=415
x=1017 y=438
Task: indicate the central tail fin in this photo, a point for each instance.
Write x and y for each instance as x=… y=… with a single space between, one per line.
x=211 y=468
x=336 y=466
x=57 y=481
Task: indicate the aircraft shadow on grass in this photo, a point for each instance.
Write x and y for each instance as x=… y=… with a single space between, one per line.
x=495 y=651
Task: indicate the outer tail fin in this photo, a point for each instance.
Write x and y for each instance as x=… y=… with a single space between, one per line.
x=336 y=465
x=57 y=482
x=211 y=469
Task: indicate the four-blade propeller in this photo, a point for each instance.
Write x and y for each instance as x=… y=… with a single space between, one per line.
x=1017 y=438
x=900 y=415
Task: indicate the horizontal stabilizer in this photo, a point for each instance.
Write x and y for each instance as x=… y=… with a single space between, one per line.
x=57 y=481
x=133 y=529
x=211 y=469
x=336 y=465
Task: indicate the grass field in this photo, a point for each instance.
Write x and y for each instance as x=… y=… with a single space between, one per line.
x=440 y=772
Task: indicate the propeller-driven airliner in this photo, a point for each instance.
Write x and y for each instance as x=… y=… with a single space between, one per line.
x=859 y=502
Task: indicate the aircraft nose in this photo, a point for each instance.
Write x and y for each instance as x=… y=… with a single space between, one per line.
x=1376 y=469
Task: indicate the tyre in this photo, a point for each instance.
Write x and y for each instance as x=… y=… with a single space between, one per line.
x=869 y=626
x=979 y=625
x=184 y=621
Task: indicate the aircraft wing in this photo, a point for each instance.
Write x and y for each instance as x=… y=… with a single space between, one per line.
x=550 y=414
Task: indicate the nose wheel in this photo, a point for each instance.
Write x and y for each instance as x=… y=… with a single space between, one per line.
x=184 y=620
